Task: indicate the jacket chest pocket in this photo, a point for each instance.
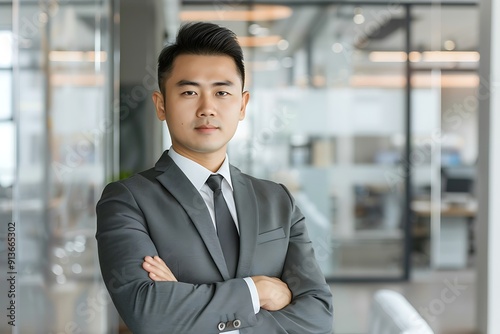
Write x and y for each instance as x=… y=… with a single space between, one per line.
x=270 y=253
x=271 y=235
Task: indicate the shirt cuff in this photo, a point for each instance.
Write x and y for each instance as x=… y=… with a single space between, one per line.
x=254 y=293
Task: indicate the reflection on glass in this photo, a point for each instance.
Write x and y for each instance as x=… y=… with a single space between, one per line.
x=7 y=133
x=64 y=91
x=6 y=47
x=7 y=162
x=5 y=95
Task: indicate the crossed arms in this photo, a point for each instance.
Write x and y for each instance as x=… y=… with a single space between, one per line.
x=149 y=298
x=274 y=294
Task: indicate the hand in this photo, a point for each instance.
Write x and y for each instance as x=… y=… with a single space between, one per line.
x=157 y=269
x=274 y=294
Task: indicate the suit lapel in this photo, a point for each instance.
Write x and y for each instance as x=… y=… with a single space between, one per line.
x=248 y=220
x=174 y=180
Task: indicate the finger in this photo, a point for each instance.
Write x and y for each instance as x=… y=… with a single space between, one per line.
x=152 y=260
x=159 y=259
x=154 y=267
x=157 y=278
x=158 y=274
x=154 y=277
x=151 y=268
x=148 y=267
x=149 y=260
x=160 y=271
x=156 y=262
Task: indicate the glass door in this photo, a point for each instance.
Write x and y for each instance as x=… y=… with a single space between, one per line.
x=444 y=60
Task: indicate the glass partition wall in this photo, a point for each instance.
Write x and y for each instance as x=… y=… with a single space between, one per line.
x=64 y=81
x=342 y=97
x=340 y=140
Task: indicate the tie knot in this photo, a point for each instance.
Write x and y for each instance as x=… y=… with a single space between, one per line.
x=214 y=182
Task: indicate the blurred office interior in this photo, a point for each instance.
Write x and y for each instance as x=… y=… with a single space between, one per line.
x=375 y=114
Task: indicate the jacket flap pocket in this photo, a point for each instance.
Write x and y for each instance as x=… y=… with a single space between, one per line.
x=278 y=233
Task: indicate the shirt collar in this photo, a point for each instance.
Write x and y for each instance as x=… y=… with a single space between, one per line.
x=196 y=173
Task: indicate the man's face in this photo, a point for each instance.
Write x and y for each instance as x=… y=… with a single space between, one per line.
x=203 y=104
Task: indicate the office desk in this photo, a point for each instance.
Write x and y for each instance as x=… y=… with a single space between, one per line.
x=451 y=248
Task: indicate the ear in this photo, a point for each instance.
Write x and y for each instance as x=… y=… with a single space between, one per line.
x=159 y=105
x=244 y=101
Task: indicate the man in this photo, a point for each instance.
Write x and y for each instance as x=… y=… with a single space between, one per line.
x=193 y=245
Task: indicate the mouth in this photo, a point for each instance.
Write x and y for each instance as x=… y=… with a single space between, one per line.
x=206 y=128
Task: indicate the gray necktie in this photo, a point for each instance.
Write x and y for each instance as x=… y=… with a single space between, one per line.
x=226 y=229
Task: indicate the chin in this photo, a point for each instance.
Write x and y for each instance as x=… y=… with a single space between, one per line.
x=208 y=148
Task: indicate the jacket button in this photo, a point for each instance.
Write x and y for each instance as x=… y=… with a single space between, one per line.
x=236 y=323
x=221 y=326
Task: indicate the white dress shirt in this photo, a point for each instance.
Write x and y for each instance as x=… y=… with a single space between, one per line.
x=198 y=175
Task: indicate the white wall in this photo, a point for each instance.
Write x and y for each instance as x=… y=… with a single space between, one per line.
x=488 y=231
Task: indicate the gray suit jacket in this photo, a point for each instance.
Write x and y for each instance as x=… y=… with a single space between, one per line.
x=159 y=212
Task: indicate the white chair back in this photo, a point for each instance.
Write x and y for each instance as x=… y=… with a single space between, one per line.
x=393 y=314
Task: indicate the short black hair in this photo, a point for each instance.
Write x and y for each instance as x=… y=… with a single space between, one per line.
x=200 y=38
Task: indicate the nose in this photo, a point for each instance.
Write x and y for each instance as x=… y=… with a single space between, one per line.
x=206 y=108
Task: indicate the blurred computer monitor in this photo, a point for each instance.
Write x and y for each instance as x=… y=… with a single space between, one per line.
x=458 y=183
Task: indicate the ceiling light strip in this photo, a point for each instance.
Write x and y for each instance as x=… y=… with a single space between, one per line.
x=426 y=56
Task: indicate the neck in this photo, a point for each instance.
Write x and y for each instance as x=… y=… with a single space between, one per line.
x=211 y=161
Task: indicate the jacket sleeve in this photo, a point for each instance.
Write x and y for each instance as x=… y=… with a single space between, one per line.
x=311 y=309
x=158 y=307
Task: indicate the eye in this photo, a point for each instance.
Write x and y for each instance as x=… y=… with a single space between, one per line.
x=222 y=93
x=189 y=93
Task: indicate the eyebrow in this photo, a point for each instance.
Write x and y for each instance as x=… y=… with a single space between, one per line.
x=196 y=84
